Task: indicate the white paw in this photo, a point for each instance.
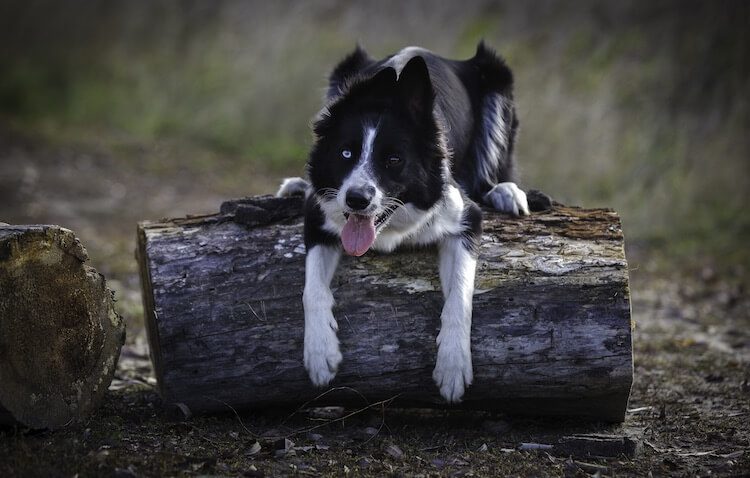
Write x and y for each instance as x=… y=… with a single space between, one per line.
x=508 y=197
x=292 y=187
x=322 y=356
x=453 y=371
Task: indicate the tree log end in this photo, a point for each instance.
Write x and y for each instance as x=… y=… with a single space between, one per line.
x=60 y=336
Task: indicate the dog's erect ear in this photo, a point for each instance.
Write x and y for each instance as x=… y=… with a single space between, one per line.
x=347 y=69
x=415 y=88
x=381 y=85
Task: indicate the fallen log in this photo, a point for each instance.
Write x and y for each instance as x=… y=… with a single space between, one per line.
x=59 y=334
x=551 y=330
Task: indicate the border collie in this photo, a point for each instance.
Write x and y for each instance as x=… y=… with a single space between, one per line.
x=405 y=149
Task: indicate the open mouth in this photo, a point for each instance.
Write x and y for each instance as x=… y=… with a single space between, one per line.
x=379 y=220
x=359 y=232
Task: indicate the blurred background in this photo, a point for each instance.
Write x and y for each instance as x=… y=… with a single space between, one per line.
x=117 y=111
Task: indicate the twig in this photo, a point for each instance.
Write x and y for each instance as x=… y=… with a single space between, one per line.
x=330 y=390
x=239 y=419
x=382 y=424
x=349 y=415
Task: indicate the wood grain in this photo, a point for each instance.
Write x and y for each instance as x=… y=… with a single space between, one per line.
x=60 y=336
x=551 y=330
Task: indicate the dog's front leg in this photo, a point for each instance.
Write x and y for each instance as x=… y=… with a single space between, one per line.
x=322 y=355
x=453 y=370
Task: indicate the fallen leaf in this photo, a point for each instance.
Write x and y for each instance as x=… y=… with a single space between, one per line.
x=254 y=449
x=394 y=451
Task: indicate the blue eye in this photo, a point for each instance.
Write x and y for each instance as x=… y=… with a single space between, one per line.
x=346 y=154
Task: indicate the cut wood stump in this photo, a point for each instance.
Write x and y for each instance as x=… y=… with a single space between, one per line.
x=551 y=331
x=60 y=336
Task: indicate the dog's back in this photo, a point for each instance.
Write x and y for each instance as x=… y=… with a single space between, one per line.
x=474 y=101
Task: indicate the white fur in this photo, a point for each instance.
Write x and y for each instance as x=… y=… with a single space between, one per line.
x=412 y=226
x=508 y=197
x=453 y=368
x=321 y=356
x=494 y=141
x=407 y=225
x=441 y=224
x=400 y=59
x=505 y=197
x=292 y=186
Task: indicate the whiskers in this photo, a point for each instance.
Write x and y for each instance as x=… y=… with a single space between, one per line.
x=389 y=204
x=326 y=194
x=392 y=204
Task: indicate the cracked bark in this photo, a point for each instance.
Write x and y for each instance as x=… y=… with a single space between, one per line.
x=551 y=331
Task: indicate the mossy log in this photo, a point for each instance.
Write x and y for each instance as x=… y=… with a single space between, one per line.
x=551 y=330
x=60 y=336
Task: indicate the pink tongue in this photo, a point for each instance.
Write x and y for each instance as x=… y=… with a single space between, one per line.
x=358 y=234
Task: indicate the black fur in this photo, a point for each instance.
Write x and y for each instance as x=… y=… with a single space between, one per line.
x=472 y=227
x=348 y=68
x=314 y=232
x=437 y=111
x=461 y=89
x=405 y=105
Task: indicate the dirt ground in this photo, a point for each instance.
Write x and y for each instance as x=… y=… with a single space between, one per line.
x=689 y=410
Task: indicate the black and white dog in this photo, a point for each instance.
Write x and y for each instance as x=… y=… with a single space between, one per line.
x=405 y=149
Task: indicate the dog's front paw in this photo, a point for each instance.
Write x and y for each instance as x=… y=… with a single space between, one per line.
x=453 y=371
x=508 y=197
x=322 y=357
x=292 y=187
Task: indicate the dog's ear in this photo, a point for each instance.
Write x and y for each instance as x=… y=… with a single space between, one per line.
x=415 y=88
x=347 y=69
x=381 y=85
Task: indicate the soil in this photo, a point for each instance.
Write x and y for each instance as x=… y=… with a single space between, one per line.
x=689 y=411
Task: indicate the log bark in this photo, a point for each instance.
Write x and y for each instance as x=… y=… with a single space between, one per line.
x=60 y=336
x=551 y=331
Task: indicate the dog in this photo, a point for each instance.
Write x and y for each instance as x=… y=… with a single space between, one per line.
x=406 y=148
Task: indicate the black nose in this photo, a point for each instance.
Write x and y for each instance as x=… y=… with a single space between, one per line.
x=359 y=198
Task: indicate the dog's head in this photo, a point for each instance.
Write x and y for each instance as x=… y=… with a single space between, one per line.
x=379 y=147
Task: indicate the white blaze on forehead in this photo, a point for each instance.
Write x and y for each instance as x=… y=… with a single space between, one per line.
x=368 y=139
x=363 y=173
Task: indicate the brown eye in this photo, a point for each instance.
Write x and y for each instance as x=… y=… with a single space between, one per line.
x=393 y=161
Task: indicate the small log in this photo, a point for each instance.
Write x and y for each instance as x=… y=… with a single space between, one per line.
x=60 y=336
x=551 y=331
